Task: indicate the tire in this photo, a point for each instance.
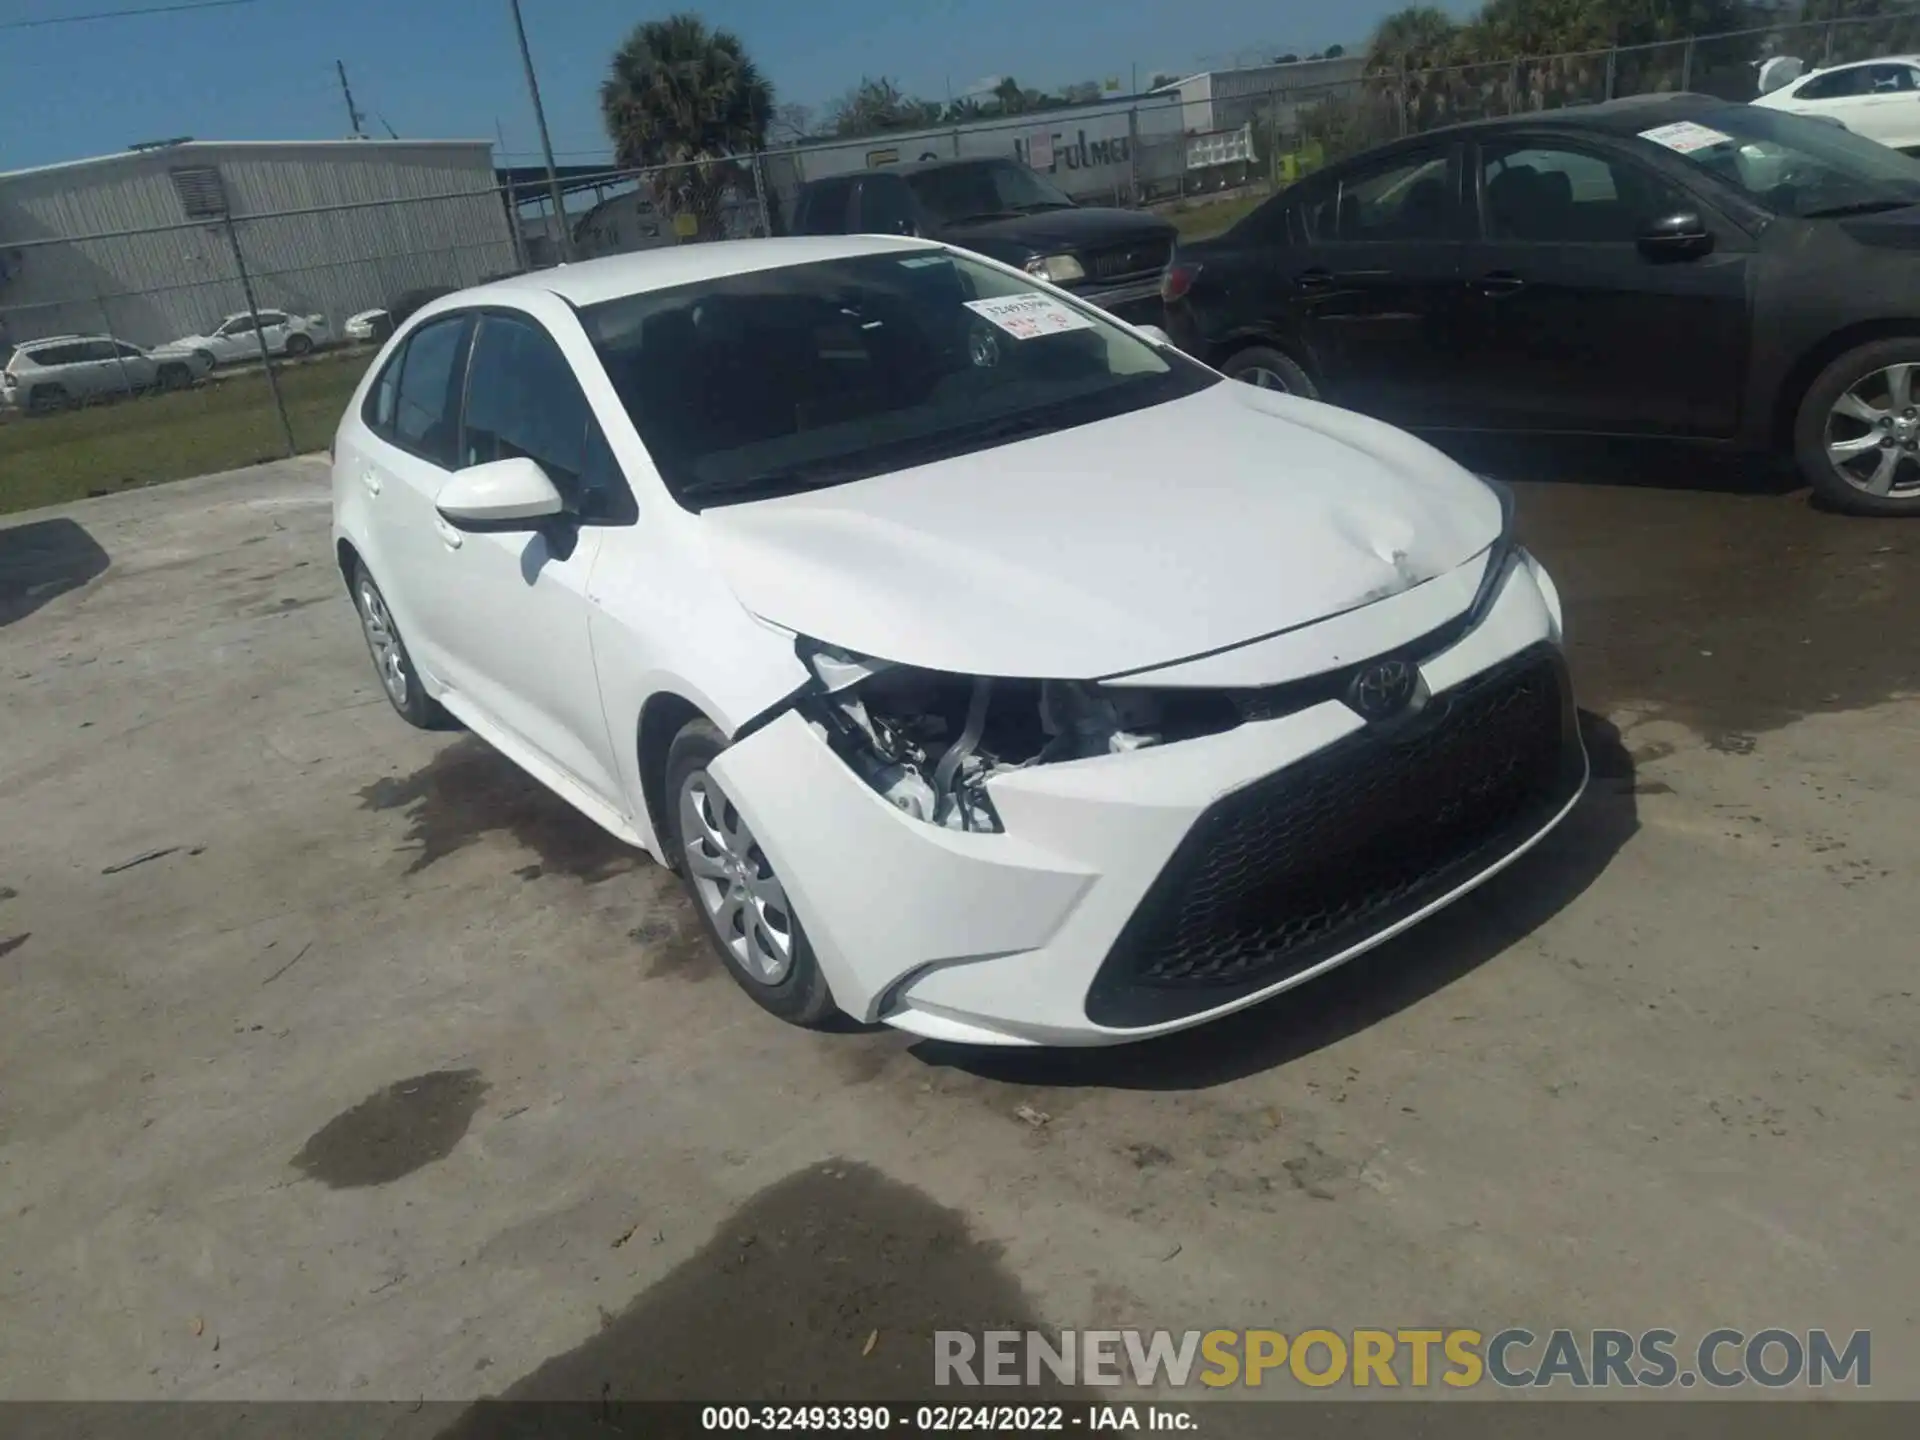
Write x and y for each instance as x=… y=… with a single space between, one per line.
x=783 y=980
x=298 y=345
x=207 y=360
x=174 y=377
x=392 y=665
x=1861 y=396
x=45 y=399
x=1270 y=369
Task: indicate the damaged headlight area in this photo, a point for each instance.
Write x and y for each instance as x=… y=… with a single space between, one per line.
x=928 y=741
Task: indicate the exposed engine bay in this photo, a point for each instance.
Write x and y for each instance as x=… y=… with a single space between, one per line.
x=928 y=742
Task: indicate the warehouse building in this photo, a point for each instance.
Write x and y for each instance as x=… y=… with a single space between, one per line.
x=142 y=245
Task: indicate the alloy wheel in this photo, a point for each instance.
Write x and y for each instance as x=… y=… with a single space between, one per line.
x=1261 y=378
x=735 y=882
x=1873 y=433
x=384 y=641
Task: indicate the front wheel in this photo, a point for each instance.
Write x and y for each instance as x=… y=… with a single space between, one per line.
x=742 y=905
x=1856 y=436
x=1269 y=369
x=298 y=345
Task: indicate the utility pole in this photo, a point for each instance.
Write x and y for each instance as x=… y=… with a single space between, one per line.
x=354 y=117
x=563 y=242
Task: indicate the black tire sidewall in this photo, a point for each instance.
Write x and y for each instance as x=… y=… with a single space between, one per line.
x=1810 y=424
x=298 y=345
x=802 y=997
x=1265 y=357
x=46 y=399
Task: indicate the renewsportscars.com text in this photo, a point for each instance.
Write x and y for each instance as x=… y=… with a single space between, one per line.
x=1512 y=1358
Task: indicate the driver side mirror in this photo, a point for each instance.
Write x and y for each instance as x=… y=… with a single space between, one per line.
x=1682 y=235
x=511 y=494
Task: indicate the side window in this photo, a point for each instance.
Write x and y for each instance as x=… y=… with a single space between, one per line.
x=823 y=208
x=239 y=325
x=524 y=399
x=1555 y=194
x=426 y=409
x=130 y=352
x=1405 y=198
x=98 y=350
x=886 y=206
x=271 y=318
x=1888 y=79
x=378 y=410
x=1835 y=85
x=1270 y=224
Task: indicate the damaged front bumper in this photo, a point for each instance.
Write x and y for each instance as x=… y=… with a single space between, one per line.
x=1128 y=895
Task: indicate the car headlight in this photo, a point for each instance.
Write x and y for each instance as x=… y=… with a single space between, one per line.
x=1060 y=269
x=1500 y=555
x=928 y=741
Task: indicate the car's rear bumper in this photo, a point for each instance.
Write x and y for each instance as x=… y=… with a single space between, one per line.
x=1131 y=895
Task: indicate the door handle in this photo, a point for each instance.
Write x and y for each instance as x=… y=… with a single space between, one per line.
x=1501 y=282
x=1314 y=279
x=449 y=537
x=371 y=479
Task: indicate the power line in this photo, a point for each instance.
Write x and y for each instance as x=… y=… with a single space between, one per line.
x=120 y=14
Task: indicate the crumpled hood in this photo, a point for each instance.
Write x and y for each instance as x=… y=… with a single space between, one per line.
x=1170 y=532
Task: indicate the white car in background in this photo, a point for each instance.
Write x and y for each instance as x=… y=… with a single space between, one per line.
x=367 y=326
x=233 y=339
x=1878 y=99
x=985 y=666
x=56 y=371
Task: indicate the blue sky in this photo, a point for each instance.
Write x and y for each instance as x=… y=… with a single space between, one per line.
x=448 y=68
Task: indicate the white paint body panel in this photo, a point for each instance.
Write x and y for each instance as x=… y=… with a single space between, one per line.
x=1234 y=538
x=1891 y=117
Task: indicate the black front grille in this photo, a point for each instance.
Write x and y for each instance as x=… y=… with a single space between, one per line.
x=1311 y=860
x=1120 y=262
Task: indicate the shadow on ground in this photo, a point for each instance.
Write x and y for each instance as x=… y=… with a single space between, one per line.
x=42 y=560
x=1367 y=990
x=1607 y=460
x=469 y=788
x=825 y=1288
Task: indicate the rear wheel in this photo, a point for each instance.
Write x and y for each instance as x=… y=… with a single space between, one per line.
x=1268 y=369
x=45 y=399
x=1857 y=434
x=298 y=344
x=742 y=905
x=391 y=662
x=174 y=377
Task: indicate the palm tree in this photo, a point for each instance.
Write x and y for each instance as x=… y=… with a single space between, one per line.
x=1416 y=38
x=683 y=102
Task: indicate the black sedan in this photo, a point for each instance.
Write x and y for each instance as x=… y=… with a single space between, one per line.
x=1671 y=266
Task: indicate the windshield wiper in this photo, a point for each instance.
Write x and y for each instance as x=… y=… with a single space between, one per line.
x=980 y=215
x=1037 y=205
x=1857 y=207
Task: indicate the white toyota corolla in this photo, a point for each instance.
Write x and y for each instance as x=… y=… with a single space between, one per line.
x=984 y=666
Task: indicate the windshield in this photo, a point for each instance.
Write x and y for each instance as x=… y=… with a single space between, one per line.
x=749 y=386
x=992 y=188
x=1792 y=165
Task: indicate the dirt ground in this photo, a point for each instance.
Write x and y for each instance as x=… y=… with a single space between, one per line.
x=338 y=1060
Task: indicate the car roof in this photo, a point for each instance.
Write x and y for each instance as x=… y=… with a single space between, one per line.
x=616 y=276
x=1813 y=70
x=1628 y=115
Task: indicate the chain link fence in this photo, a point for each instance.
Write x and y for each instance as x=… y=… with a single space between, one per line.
x=134 y=352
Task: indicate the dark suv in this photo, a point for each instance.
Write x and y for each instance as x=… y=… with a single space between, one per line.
x=1008 y=212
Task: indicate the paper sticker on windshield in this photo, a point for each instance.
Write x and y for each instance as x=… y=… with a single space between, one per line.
x=1683 y=137
x=920 y=262
x=1026 y=317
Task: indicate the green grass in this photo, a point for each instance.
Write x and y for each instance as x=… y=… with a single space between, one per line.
x=1200 y=222
x=221 y=424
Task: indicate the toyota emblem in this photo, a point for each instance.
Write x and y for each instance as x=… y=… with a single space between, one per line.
x=1383 y=689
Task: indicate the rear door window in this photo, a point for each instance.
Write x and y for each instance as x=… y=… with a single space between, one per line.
x=426 y=405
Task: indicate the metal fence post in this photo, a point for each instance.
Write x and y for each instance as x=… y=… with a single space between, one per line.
x=1686 y=65
x=1826 y=57
x=1613 y=68
x=260 y=337
x=1133 y=153
x=1403 y=120
x=760 y=194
